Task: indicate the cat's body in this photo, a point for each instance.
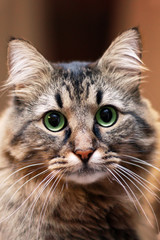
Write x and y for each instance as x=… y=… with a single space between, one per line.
x=70 y=147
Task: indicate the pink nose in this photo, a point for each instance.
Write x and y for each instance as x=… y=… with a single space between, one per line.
x=84 y=154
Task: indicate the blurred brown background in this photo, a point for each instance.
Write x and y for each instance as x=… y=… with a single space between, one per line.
x=65 y=30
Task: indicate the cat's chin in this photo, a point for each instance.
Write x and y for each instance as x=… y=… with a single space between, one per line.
x=86 y=178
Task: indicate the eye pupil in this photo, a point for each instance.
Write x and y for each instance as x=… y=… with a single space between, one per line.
x=54 y=119
x=106 y=115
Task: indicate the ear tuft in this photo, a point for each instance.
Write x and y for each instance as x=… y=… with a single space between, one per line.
x=124 y=53
x=27 y=68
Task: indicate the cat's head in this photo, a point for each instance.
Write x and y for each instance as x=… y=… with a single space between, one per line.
x=82 y=121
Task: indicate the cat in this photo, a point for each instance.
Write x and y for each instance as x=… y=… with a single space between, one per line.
x=78 y=145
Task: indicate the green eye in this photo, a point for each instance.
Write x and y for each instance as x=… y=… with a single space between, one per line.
x=54 y=121
x=106 y=116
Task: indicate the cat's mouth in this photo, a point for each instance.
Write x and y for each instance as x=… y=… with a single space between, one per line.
x=86 y=175
x=98 y=167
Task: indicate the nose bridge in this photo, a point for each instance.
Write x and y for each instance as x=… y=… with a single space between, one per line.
x=83 y=140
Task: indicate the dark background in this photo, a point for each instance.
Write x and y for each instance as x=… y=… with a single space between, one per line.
x=66 y=30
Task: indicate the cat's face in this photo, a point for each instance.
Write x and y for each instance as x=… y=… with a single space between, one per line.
x=80 y=120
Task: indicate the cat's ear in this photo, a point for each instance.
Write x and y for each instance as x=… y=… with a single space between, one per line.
x=123 y=57
x=28 y=69
x=124 y=53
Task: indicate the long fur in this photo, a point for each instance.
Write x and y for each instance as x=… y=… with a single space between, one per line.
x=84 y=181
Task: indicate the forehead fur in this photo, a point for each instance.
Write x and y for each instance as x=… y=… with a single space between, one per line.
x=115 y=75
x=80 y=87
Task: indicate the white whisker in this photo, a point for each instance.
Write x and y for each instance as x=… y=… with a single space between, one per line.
x=122 y=172
x=130 y=189
x=18 y=170
x=32 y=207
x=139 y=166
x=5 y=218
x=123 y=186
x=142 y=181
x=131 y=174
x=137 y=160
x=45 y=204
x=16 y=183
x=33 y=204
